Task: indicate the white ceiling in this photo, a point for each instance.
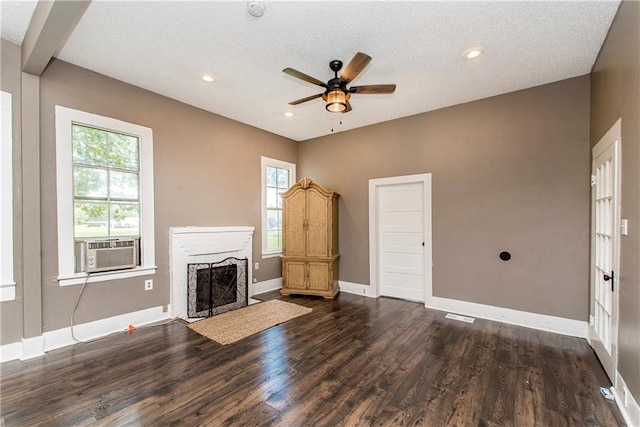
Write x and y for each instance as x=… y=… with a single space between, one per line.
x=165 y=47
x=15 y=17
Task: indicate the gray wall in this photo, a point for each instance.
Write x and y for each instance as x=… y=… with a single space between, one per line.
x=11 y=311
x=206 y=173
x=509 y=173
x=615 y=93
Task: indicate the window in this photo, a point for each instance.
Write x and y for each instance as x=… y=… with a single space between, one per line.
x=277 y=177
x=106 y=170
x=7 y=284
x=105 y=188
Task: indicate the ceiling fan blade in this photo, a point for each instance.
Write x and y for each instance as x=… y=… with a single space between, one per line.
x=308 y=98
x=355 y=67
x=303 y=76
x=373 y=89
x=348 y=108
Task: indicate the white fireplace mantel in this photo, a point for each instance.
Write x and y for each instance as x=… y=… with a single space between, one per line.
x=205 y=245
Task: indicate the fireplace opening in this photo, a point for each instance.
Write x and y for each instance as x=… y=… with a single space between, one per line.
x=215 y=288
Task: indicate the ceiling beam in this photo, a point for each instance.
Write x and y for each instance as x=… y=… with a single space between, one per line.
x=51 y=25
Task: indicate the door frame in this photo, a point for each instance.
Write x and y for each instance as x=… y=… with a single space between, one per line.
x=374 y=264
x=613 y=134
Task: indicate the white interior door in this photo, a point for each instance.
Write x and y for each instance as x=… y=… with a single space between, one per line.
x=605 y=235
x=401 y=240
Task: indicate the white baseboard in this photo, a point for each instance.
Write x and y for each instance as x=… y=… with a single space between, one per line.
x=356 y=289
x=347 y=287
x=34 y=347
x=266 y=286
x=543 y=322
x=8 y=292
x=11 y=351
x=630 y=409
x=103 y=327
x=560 y=325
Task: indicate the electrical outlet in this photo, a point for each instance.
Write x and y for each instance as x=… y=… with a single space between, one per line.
x=148 y=285
x=255 y=280
x=607 y=393
x=257 y=266
x=625 y=396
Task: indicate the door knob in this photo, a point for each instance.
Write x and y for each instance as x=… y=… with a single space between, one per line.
x=606 y=278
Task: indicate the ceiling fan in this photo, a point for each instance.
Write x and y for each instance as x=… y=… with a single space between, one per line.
x=336 y=93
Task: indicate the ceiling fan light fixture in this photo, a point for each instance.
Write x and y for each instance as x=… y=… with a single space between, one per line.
x=336 y=101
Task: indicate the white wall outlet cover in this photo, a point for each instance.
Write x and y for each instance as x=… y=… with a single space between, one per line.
x=607 y=393
x=625 y=397
x=148 y=285
x=257 y=267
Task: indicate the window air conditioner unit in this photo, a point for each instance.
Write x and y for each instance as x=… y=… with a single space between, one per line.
x=110 y=254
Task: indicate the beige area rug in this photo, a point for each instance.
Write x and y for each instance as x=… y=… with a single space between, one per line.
x=232 y=326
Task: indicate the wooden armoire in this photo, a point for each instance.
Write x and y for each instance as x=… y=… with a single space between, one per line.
x=310 y=240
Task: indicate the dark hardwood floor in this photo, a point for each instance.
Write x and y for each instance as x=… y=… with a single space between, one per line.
x=352 y=361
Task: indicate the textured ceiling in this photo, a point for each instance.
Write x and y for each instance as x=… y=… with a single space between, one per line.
x=14 y=19
x=165 y=47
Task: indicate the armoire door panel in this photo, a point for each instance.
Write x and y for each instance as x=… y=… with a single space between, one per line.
x=294 y=275
x=318 y=276
x=318 y=233
x=293 y=221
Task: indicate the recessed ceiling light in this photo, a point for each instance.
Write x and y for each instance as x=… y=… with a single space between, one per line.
x=473 y=53
x=208 y=78
x=288 y=114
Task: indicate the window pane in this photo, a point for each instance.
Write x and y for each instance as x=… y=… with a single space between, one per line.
x=283 y=178
x=123 y=151
x=125 y=219
x=272 y=197
x=274 y=219
x=272 y=176
x=89 y=145
x=280 y=198
x=123 y=185
x=89 y=182
x=274 y=241
x=90 y=219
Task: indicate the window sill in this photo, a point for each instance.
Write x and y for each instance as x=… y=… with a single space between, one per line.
x=7 y=292
x=79 y=279
x=271 y=255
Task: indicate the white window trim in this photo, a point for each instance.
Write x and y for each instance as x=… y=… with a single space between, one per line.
x=7 y=281
x=266 y=161
x=65 y=117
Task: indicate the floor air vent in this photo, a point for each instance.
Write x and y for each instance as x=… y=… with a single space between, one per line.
x=460 y=318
